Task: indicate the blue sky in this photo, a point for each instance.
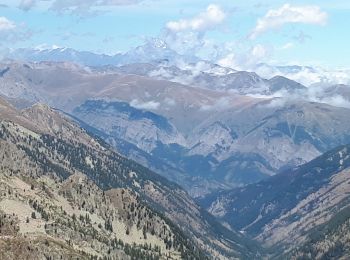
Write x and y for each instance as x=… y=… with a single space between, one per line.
x=237 y=32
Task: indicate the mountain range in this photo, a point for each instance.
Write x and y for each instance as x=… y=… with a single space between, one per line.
x=154 y=155
x=66 y=193
x=153 y=50
x=202 y=137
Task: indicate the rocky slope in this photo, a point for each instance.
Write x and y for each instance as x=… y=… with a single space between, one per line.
x=90 y=201
x=46 y=217
x=295 y=212
x=119 y=119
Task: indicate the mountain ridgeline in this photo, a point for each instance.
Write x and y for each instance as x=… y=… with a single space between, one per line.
x=300 y=214
x=217 y=129
x=66 y=194
x=140 y=156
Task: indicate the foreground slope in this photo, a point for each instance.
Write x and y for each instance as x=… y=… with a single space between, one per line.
x=303 y=208
x=44 y=153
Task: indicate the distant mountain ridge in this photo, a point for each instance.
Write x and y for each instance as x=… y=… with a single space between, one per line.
x=216 y=77
x=156 y=51
x=152 y=51
x=203 y=139
x=294 y=211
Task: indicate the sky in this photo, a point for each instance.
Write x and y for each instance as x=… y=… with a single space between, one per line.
x=234 y=33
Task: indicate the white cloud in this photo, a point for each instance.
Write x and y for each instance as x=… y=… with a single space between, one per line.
x=26 y=5
x=274 y=102
x=229 y=61
x=79 y=7
x=336 y=100
x=187 y=36
x=6 y=24
x=150 y=105
x=246 y=59
x=276 y=18
x=185 y=42
x=207 y=20
x=287 y=46
x=221 y=104
x=11 y=33
x=306 y=75
x=45 y=46
x=259 y=52
x=170 y=102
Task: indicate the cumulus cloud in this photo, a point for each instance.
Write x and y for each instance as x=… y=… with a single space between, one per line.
x=259 y=51
x=11 y=33
x=336 y=100
x=149 y=105
x=275 y=102
x=246 y=59
x=85 y=6
x=78 y=7
x=6 y=24
x=306 y=75
x=334 y=95
x=207 y=20
x=185 y=42
x=26 y=5
x=276 y=18
x=219 y=105
x=287 y=46
x=317 y=94
x=169 y=102
x=187 y=36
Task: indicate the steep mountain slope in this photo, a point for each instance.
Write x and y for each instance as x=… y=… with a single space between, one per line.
x=337 y=92
x=42 y=148
x=296 y=208
x=74 y=218
x=271 y=135
x=330 y=240
x=279 y=83
x=232 y=147
x=129 y=129
x=121 y=120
